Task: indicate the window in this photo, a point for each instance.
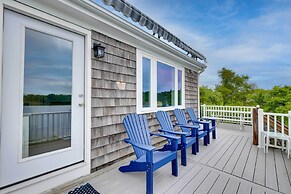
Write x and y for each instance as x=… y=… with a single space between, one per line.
x=146 y=82
x=180 y=86
x=165 y=85
x=160 y=84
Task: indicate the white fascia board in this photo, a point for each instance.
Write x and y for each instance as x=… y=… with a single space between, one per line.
x=94 y=17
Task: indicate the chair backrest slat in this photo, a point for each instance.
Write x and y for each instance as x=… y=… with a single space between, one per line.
x=165 y=121
x=181 y=117
x=192 y=114
x=137 y=130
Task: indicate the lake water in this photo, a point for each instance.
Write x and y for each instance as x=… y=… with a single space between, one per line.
x=46 y=109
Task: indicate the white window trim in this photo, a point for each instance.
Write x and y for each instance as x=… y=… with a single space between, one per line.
x=153 y=92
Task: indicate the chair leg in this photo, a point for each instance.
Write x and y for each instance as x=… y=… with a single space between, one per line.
x=150 y=180
x=214 y=134
x=175 y=167
x=194 y=148
x=205 y=139
x=183 y=156
x=197 y=145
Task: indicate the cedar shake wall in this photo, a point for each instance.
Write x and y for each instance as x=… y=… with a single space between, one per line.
x=110 y=104
x=191 y=89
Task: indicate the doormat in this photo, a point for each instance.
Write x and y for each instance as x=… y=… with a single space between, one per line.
x=84 y=189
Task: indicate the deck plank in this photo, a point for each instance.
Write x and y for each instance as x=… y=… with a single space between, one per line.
x=251 y=164
x=165 y=182
x=221 y=152
x=204 y=150
x=207 y=183
x=260 y=169
x=239 y=167
x=231 y=186
x=283 y=181
x=219 y=184
x=271 y=175
x=234 y=158
x=183 y=181
x=227 y=155
x=216 y=149
x=195 y=181
x=242 y=161
x=244 y=188
x=288 y=166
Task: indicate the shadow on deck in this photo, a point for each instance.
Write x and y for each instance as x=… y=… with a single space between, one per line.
x=230 y=164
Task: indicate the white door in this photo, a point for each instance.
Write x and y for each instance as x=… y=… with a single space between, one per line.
x=42 y=112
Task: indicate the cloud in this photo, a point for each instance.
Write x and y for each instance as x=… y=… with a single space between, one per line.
x=251 y=38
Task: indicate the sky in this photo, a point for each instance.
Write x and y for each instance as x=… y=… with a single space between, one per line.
x=250 y=37
x=47 y=65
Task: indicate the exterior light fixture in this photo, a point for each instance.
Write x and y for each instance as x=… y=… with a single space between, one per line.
x=99 y=51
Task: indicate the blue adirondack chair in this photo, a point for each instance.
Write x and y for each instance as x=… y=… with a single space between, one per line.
x=185 y=126
x=148 y=158
x=185 y=141
x=210 y=128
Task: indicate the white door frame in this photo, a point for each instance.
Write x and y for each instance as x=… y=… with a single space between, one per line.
x=56 y=178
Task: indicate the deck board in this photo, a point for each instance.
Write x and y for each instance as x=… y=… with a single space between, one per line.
x=251 y=163
x=240 y=165
x=219 y=184
x=221 y=152
x=271 y=174
x=195 y=181
x=260 y=171
x=227 y=155
x=231 y=186
x=244 y=188
x=207 y=183
x=283 y=181
x=230 y=164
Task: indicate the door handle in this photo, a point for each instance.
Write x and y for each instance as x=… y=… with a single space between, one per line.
x=81 y=104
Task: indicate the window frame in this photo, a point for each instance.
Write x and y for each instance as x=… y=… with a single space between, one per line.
x=153 y=89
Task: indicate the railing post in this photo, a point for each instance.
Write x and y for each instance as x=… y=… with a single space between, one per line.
x=255 y=125
x=260 y=125
x=204 y=111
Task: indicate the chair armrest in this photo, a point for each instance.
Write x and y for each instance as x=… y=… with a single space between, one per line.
x=140 y=146
x=186 y=126
x=173 y=132
x=200 y=122
x=211 y=119
x=166 y=136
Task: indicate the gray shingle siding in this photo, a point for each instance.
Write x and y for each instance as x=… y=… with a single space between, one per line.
x=110 y=105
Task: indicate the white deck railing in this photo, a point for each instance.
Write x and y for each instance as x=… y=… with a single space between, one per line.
x=274 y=122
x=40 y=127
x=231 y=114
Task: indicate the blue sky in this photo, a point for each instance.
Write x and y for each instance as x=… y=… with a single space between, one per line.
x=251 y=37
x=48 y=64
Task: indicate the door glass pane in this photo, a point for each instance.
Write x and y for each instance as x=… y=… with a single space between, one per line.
x=179 y=87
x=47 y=93
x=146 y=82
x=165 y=85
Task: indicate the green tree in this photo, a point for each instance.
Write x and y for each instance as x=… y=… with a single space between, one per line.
x=278 y=100
x=234 y=88
x=209 y=96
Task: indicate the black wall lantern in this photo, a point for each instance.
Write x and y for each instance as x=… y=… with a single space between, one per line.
x=99 y=51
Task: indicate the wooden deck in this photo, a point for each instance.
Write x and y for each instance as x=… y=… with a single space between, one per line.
x=230 y=164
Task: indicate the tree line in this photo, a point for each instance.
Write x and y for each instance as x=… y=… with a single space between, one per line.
x=236 y=90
